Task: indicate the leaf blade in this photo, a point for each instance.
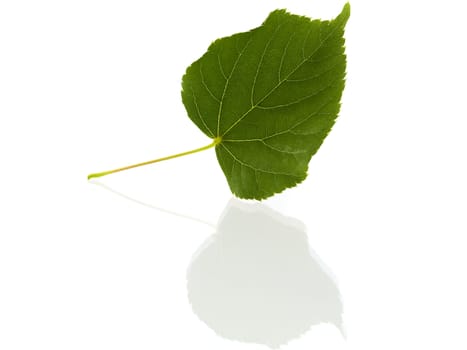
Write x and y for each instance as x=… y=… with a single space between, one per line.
x=272 y=95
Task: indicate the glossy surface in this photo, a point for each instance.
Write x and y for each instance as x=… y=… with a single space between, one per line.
x=377 y=230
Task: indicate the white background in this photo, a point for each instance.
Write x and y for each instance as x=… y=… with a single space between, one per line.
x=90 y=85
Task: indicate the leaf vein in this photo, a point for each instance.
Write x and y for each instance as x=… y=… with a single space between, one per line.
x=220 y=66
x=304 y=44
x=281 y=150
x=315 y=76
x=283 y=55
x=228 y=81
x=253 y=87
x=281 y=82
x=199 y=113
x=267 y=145
x=316 y=93
x=289 y=130
x=254 y=168
x=206 y=86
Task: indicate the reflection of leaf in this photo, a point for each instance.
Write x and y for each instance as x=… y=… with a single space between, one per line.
x=269 y=97
x=256 y=280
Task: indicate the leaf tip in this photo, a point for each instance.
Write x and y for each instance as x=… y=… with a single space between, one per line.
x=345 y=13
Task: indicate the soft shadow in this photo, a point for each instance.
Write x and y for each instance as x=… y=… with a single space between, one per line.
x=148 y=205
x=256 y=280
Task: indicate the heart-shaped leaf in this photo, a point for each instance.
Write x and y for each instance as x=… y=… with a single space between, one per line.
x=269 y=97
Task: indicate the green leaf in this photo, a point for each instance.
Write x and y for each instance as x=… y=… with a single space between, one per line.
x=269 y=97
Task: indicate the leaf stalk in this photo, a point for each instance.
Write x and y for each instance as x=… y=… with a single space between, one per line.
x=215 y=142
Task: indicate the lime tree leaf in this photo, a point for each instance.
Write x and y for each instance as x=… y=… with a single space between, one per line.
x=269 y=97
